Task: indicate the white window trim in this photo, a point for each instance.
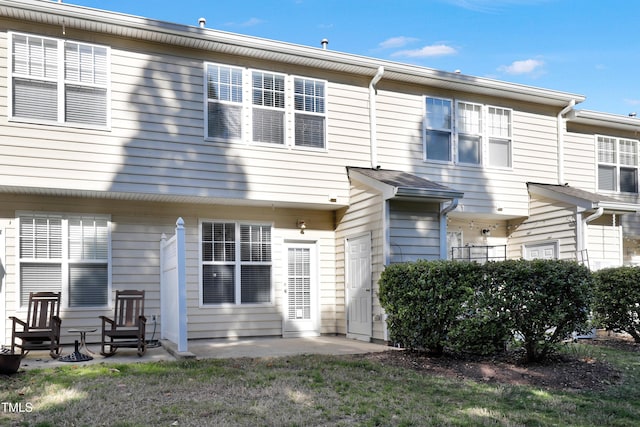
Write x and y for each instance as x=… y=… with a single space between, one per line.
x=237 y=266
x=64 y=261
x=426 y=128
x=617 y=165
x=247 y=110
x=325 y=114
x=454 y=133
x=60 y=81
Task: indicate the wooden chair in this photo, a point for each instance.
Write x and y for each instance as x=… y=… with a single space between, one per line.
x=41 y=331
x=127 y=328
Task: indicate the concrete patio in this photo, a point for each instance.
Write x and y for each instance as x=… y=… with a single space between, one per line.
x=216 y=349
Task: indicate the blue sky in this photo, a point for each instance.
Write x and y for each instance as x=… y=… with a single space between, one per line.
x=588 y=47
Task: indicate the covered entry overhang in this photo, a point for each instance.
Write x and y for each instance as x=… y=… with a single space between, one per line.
x=398 y=186
x=583 y=200
x=589 y=207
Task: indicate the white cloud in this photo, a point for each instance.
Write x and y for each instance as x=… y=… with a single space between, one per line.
x=396 y=42
x=427 y=51
x=248 y=23
x=527 y=66
x=251 y=22
x=491 y=6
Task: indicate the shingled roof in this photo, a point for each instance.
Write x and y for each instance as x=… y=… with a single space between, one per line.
x=399 y=184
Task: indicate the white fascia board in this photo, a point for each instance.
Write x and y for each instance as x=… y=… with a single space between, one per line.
x=608 y=120
x=204 y=38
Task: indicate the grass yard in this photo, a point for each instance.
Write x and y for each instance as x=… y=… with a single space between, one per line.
x=307 y=391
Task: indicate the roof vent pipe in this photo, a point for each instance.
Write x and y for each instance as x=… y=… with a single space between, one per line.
x=324 y=43
x=202 y=22
x=372 y=116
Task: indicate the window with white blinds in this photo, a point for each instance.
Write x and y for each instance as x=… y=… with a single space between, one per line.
x=59 y=81
x=69 y=254
x=309 y=105
x=472 y=134
x=236 y=263
x=617 y=164
x=254 y=106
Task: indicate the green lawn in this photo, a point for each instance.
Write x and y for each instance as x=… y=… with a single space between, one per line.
x=302 y=391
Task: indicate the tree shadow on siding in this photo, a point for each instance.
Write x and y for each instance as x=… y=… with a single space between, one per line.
x=168 y=155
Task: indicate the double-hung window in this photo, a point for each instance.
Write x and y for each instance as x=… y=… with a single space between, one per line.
x=617 y=164
x=471 y=134
x=59 y=81
x=68 y=254
x=224 y=102
x=309 y=104
x=499 y=137
x=268 y=107
x=438 y=129
x=254 y=106
x=236 y=263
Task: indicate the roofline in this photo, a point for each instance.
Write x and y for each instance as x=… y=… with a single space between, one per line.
x=130 y=26
x=389 y=191
x=608 y=205
x=598 y=118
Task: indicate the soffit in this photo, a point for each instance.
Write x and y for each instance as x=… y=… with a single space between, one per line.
x=606 y=120
x=134 y=27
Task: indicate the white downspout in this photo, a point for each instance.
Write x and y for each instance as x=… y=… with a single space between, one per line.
x=372 y=117
x=560 y=125
x=585 y=232
x=443 y=227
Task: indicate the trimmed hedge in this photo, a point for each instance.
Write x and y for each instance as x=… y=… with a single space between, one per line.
x=617 y=300
x=478 y=308
x=424 y=299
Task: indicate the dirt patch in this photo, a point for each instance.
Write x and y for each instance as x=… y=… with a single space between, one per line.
x=581 y=371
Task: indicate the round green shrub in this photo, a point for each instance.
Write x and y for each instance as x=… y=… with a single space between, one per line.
x=616 y=303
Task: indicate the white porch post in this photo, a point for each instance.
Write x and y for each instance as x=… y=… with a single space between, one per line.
x=182 y=285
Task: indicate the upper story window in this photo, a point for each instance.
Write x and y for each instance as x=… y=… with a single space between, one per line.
x=58 y=81
x=471 y=133
x=309 y=102
x=236 y=263
x=68 y=254
x=224 y=102
x=439 y=129
x=268 y=107
x=255 y=106
x=617 y=164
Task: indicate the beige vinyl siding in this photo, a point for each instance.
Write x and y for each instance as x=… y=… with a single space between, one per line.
x=364 y=216
x=156 y=142
x=414 y=231
x=580 y=161
x=136 y=232
x=549 y=221
x=486 y=190
x=604 y=243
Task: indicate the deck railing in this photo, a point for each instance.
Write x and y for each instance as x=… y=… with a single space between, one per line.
x=479 y=254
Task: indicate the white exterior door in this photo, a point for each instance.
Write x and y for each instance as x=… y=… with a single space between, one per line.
x=358 y=287
x=301 y=309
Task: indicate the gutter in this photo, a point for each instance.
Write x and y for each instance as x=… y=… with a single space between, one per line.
x=372 y=117
x=560 y=128
x=443 y=227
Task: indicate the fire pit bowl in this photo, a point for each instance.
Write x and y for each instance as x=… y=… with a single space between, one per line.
x=9 y=362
